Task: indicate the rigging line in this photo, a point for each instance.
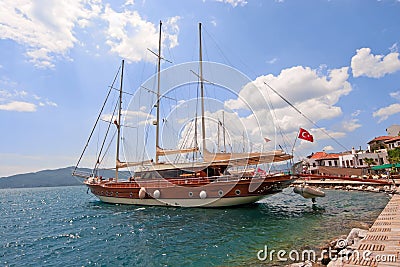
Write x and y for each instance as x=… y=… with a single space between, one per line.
x=151 y=91
x=124 y=92
x=171 y=55
x=284 y=138
x=97 y=120
x=120 y=125
x=160 y=57
x=204 y=80
x=108 y=147
x=105 y=137
x=218 y=47
x=290 y=104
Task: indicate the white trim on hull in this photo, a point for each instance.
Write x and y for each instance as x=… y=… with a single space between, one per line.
x=195 y=202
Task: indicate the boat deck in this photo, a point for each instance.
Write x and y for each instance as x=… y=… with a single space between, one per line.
x=381 y=246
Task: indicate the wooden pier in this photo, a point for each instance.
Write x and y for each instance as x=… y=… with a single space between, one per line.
x=381 y=246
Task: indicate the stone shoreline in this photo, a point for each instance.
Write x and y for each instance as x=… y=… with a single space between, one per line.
x=343 y=250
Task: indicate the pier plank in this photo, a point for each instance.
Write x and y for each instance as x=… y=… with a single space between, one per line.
x=382 y=243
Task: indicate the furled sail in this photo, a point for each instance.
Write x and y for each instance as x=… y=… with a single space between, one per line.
x=165 y=152
x=242 y=159
x=121 y=165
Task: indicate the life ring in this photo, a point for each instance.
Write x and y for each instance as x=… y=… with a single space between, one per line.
x=156 y=194
x=203 y=194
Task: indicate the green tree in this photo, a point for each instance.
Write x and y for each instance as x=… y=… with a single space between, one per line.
x=394 y=155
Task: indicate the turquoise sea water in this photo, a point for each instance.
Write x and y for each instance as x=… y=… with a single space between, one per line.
x=66 y=226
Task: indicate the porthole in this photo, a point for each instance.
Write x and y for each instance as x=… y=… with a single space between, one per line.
x=102 y=192
x=220 y=193
x=131 y=195
x=237 y=191
x=190 y=194
x=116 y=194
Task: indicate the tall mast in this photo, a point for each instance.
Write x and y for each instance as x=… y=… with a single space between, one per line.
x=203 y=125
x=158 y=93
x=119 y=121
x=223 y=129
x=218 y=136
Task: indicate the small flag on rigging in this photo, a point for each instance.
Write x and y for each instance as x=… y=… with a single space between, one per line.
x=305 y=135
x=267 y=140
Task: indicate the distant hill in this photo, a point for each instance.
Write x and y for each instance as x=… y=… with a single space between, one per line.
x=47 y=178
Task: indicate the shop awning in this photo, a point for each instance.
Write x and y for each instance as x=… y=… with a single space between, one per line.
x=385 y=166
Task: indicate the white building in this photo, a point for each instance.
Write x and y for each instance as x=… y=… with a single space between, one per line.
x=393 y=130
x=393 y=142
x=353 y=159
x=357 y=159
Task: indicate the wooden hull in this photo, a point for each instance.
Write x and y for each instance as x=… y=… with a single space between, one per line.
x=220 y=193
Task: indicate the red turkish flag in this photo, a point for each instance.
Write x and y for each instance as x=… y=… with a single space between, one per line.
x=305 y=135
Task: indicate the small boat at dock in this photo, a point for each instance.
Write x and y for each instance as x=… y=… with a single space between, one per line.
x=307 y=191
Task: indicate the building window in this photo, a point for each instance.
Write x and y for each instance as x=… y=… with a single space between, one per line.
x=336 y=163
x=330 y=163
x=351 y=163
x=313 y=164
x=361 y=162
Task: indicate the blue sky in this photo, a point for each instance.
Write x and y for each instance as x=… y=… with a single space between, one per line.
x=337 y=61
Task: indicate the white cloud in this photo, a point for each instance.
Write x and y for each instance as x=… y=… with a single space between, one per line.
x=129 y=3
x=45 y=28
x=356 y=113
x=234 y=3
x=313 y=94
x=328 y=148
x=131 y=118
x=374 y=66
x=395 y=95
x=22 y=101
x=48 y=29
x=386 y=112
x=19 y=106
x=129 y=35
x=351 y=125
x=171 y=31
x=272 y=61
x=51 y=103
x=394 y=48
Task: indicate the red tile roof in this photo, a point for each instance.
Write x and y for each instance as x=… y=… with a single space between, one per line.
x=393 y=139
x=324 y=155
x=380 y=138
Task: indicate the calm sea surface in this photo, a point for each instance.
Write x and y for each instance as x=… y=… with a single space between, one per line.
x=66 y=226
